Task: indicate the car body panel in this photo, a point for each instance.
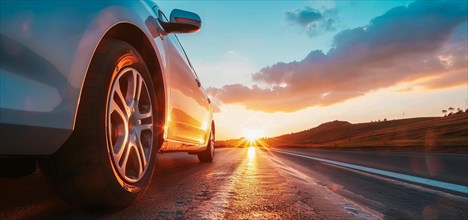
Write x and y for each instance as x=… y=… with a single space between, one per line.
x=46 y=51
x=189 y=111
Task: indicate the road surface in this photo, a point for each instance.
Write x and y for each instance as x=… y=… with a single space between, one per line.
x=249 y=183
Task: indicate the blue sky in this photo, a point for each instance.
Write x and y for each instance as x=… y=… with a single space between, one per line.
x=258 y=34
x=396 y=57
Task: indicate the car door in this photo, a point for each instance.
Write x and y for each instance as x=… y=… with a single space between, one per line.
x=189 y=118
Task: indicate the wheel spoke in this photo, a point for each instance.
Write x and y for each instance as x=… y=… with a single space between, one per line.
x=124 y=159
x=140 y=128
x=142 y=154
x=147 y=110
x=141 y=165
x=122 y=113
x=119 y=125
x=133 y=90
x=139 y=86
x=118 y=93
x=141 y=116
x=121 y=145
x=139 y=144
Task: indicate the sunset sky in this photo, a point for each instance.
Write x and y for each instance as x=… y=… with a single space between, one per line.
x=275 y=67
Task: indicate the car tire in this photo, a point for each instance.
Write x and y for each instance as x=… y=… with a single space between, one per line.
x=85 y=170
x=207 y=155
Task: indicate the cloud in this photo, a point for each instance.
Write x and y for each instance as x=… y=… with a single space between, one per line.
x=313 y=21
x=305 y=16
x=450 y=79
x=406 y=89
x=407 y=43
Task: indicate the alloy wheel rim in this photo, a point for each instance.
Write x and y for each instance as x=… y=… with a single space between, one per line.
x=130 y=125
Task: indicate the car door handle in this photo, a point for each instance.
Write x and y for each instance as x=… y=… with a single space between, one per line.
x=198 y=82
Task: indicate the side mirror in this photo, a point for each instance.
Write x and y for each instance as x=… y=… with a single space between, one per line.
x=182 y=22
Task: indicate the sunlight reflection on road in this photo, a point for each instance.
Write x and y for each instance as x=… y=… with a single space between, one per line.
x=251 y=152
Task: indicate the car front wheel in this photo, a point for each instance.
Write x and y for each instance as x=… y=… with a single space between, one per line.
x=109 y=159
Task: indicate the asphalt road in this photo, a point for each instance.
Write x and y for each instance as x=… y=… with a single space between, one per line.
x=390 y=198
x=250 y=183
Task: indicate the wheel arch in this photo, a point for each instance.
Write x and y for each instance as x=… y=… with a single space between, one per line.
x=136 y=37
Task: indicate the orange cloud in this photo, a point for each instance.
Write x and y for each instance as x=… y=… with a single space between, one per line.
x=453 y=79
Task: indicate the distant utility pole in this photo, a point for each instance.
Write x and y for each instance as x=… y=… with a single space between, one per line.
x=403 y=115
x=466 y=101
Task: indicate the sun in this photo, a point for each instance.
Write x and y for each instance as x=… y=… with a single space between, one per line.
x=253 y=134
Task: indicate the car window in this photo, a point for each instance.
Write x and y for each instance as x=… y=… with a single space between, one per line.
x=162 y=16
x=177 y=43
x=181 y=48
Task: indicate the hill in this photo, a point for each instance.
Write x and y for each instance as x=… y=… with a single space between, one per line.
x=427 y=132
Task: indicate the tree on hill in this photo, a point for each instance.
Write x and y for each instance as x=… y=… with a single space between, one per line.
x=451 y=109
x=444 y=112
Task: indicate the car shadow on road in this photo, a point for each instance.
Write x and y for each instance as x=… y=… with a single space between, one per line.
x=32 y=197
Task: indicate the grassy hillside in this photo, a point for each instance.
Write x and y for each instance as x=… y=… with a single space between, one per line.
x=429 y=132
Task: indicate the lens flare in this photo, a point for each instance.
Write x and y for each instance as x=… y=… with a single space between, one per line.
x=253 y=134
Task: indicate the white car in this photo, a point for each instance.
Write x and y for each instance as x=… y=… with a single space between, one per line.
x=93 y=90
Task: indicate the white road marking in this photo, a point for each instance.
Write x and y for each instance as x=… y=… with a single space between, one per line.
x=414 y=179
x=359 y=211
